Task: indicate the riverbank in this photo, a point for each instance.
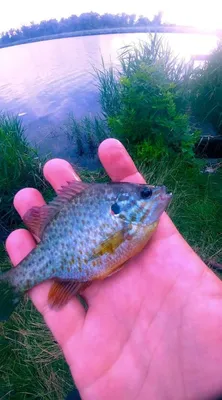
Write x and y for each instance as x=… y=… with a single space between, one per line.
x=109 y=31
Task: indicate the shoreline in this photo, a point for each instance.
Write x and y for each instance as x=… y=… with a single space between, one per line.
x=110 y=31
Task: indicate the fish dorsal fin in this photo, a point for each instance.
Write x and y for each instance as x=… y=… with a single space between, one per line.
x=62 y=291
x=71 y=189
x=37 y=218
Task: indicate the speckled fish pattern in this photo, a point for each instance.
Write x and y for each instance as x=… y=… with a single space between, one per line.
x=74 y=242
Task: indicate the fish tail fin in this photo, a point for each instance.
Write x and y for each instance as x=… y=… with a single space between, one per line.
x=9 y=296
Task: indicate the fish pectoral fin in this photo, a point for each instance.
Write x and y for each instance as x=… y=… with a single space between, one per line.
x=109 y=245
x=64 y=290
x=37 y=218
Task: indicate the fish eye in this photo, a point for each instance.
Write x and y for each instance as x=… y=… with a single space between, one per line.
x=146 y=193
x=115 y=208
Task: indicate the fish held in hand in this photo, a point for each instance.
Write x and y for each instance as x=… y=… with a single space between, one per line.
x=86 y=233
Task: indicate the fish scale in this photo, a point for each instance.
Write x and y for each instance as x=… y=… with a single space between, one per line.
x=86 y=233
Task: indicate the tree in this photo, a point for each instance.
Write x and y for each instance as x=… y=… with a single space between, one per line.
x=5 y=39
x=91 y=20
x=131 y=19
x=157 y=19
x=143 y=21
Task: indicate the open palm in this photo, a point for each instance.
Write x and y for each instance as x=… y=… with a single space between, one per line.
x=154 y=329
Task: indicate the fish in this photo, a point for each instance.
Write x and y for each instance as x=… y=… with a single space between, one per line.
x=86 y=233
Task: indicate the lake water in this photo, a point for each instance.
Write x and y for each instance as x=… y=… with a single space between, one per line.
x=44 y=81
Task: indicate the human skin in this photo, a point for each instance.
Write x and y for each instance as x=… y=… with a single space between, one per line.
x=153 y=330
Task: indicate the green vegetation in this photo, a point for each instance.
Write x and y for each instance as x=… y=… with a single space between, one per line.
x=86 y=135
x=206 y=88
x=147 y=103
x=196 y=207
x=20 y=166
x=31 y=364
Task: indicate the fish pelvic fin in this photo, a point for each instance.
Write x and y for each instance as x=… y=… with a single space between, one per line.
x=9 y=296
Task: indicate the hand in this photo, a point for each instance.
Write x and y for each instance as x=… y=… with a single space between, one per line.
x=153 y=330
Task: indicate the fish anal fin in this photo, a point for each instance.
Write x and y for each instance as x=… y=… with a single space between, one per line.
x=37 y=218
x=109 y=245
x=63 y=291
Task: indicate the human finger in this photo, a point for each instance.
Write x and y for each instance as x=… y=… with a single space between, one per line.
x=118 y=163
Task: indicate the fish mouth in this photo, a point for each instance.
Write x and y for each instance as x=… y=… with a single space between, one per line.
x=164 y=194
x=159 y=203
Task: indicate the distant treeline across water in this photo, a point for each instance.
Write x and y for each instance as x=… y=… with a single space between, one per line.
x=92 y=24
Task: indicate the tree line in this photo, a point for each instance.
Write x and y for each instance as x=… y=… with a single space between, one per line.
x=85 y=21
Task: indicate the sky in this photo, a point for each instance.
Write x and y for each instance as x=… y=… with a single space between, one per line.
x=15 y=13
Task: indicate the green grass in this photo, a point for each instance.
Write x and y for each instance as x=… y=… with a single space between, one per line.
x=196 y=206
x=31 y=364
x=20 y=166
x=86 y=134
